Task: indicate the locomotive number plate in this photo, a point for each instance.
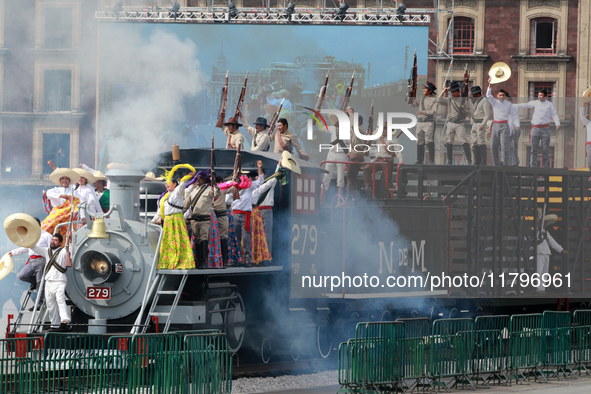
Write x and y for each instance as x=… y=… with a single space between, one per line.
x=98 y=293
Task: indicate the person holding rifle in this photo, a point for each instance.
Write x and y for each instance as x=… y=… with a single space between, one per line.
x=425 y=122
x=231 y=130
x=286 y=141
x=260 y=138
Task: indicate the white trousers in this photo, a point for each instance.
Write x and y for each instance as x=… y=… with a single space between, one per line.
x=543 y=265
x=55 y=297
x=331 y=167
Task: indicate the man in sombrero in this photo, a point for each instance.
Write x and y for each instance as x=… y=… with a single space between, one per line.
x=231 y=130
x=62 y=198
x=545 y=242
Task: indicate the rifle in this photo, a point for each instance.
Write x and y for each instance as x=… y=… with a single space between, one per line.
x=322 y=93
x=370 y=121
x=412 y=82
x=236 y=174
x=241 y=99
x=224 y=97
x=275 y=118
x=348 y=93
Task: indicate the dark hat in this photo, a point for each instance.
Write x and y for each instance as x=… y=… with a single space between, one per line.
x=475 y=89
x=454 y=86
x=234 y=121
x=430 y=86
x=505 y=92
x=262 y=121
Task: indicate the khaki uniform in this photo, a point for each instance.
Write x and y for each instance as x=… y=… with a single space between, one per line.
x=289 y=140
x=235 y=139
x=200 y=210
x=219 y=206
x=481 y=114
x=457 y=113
x=260 y=141
x=426 y=121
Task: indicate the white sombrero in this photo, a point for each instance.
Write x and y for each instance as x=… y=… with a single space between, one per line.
x=287 y=161
x=6 y=265
x=85 y=174
x=22 y=230
x=99 y=176
x=64 y=172
x=116 y=166
x=548 y=219
x=151 y=177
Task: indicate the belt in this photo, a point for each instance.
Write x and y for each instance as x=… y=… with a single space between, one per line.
x=477 y=120
x=220 y=214
x=263 y=207
x=537 y=126
x=426 y=120
x=201 y=218
x=455 y=120
x=247 y=219
x=34 y=256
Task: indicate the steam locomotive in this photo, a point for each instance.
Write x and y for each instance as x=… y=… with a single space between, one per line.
x=433 y=221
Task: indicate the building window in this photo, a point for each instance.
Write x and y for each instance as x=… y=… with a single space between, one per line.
x=58 y=90
x=543 y=37
x=58 y=28
x=305 y=194
x=463 y=38
x=56 y=147
x=539 y=159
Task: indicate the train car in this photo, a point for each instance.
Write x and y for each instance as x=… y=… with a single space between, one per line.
x=471 y=228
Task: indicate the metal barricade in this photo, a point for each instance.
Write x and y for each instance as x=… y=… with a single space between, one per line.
x=557 y=340
x=19 y=363
x=350 y=364
x=117 y=351
x=155 y=363
x=451 y=346
x=525 y=347
x=417 y=332
x=491 y=337
x=582 y=340
x=207 y=364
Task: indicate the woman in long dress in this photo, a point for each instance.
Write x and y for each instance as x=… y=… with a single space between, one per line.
x=175 y=248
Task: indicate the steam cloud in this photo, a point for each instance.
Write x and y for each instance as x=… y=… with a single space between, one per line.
x=157 y=74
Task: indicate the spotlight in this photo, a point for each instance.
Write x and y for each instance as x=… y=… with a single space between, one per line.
x=400 y=11
x=290 y=9
x=232 y=10
x=342 y=12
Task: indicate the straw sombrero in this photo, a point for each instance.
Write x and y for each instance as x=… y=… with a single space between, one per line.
x=6 y=265
x=64 y=172
x=287 y=161
x=548 y=219
x=85 y=174
x=151 y=177
x=99 y=176
x=22 y=230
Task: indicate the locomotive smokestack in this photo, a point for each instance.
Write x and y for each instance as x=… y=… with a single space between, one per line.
x=125 y=191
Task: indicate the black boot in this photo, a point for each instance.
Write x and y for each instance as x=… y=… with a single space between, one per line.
x=224 y=244
x=467 y=153
x=431 y=147
x=199 y=256
x=483 y=152
x=476 y=154
x=450 y=153
x=420 y=154
x=204 y=253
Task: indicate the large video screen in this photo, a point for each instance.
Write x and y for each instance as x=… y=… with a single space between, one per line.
x=162 y=84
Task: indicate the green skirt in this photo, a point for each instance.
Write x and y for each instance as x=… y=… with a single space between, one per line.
x=175 y=249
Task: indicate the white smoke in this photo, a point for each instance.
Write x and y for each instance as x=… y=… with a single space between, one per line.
x=158 y=73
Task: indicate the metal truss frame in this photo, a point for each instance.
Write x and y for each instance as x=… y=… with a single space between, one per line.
x=307 y=16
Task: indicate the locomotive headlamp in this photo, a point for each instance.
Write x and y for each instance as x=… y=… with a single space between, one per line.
x=99 y=267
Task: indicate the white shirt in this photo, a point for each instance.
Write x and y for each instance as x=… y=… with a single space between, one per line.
x=87 y=195
x=244 y=203
x=177 y=197
x=92 y=171
x=514 y=116
x=53 y=274
x=55 y=193
x=260 y=140
x=502 y=110
x=270 y=198
x=544 y=247
x=586 y=122
x=44 y=242
x=543 y=112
